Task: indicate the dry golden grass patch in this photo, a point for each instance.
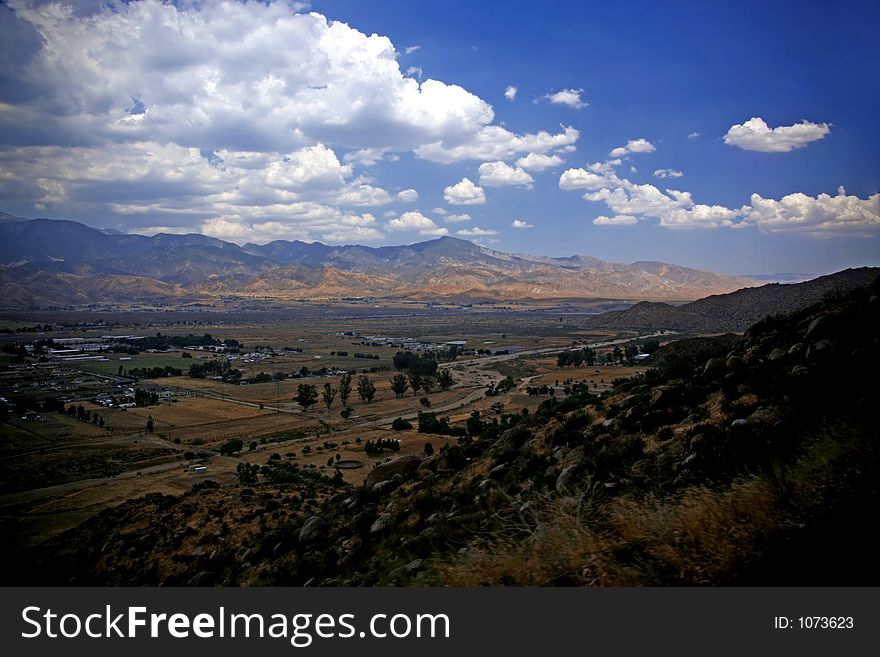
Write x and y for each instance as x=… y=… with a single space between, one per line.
x=700 y=537
x=696 y=539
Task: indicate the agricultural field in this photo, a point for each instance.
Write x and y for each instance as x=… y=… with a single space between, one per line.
x=128 y=362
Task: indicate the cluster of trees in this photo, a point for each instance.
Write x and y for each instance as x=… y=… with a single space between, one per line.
x=539 y=391
x=84 y=415
x=144 y=398
x=150 y=372
x=418 y=364
x=576 y=357
x=505 y=385
x=232 y=446
x=263 y=377
x=430 y=423
x=163 y=342
x=378 y=446
x=400 y=383
x=307 y=394
x=216 y=367
x=587 y=356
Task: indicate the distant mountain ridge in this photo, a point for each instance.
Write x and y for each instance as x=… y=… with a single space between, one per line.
x=55 y=262
x=735 y=311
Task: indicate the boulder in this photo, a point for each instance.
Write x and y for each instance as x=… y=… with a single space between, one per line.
x=402 y=465
x=663 y=396
x=430 y=463
x=713 y=367
x=797 y=350
x=820 y=349
x=777 y=353
x=312 y=529
x=382 y=523
x=819 y=328
x=385 y=486
x=760 y=416
x=404 y=572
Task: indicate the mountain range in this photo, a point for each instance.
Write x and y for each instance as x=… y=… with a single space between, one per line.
x=48 y=262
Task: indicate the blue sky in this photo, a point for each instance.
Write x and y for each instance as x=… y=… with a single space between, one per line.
x=740 y=137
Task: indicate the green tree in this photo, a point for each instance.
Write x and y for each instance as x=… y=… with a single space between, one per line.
x=650 y=346
x=231 y=446
x=328 y=395
x=306 y=395
x=246 y=473
x=474 y=425
x=399 y=385
x=415 y=382
x=444 y=379
x=631 y=351
x=366 y=389
x=345 y=388
x=150 y=425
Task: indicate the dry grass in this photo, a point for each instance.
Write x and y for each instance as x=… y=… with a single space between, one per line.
x=701 y=537
x=697 y=539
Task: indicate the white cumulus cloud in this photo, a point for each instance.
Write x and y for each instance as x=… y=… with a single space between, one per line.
x=618 y=220
x=570 y=97
x=630 y=202
x=756 y=135
x=156 y=113
x=667 y=173
x=475 y=232
x=510 y=92
x=416 y=221
x=633 y=146
x=408 y=196
x=539 y=161
x=456 y=218
x=464 y=192
x=519 y=223
x=500 y=174
x=497 y=143
x=820 y=215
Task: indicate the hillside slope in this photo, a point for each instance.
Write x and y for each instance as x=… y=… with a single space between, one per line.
x=735 y=311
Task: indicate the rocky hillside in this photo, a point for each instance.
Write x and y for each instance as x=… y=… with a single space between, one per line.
x=735 y=311
x=748 y=460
